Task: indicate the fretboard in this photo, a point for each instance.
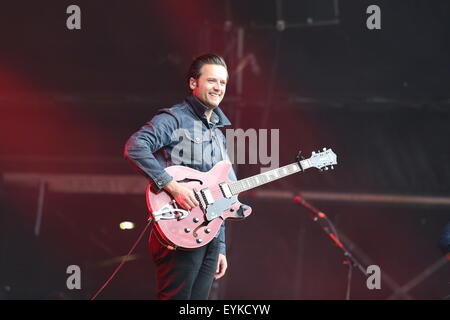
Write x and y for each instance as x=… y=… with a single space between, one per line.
x=266 y=177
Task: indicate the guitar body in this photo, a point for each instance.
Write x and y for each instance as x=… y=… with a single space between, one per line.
x=191 y=229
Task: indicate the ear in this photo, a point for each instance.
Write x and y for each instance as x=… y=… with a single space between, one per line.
x=192 y=83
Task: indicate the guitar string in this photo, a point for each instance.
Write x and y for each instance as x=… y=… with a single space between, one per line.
x=241 y=185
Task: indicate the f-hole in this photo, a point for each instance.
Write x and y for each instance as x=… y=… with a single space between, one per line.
x=185 y=180
x=204 y=224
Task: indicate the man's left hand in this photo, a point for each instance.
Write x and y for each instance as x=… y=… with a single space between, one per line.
x=221 y=266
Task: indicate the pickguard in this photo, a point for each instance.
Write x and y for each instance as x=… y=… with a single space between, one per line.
x=216 y=209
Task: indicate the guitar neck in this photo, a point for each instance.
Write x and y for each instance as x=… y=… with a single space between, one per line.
x=268 y=176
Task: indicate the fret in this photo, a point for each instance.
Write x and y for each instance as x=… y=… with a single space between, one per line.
x=281 y=172
x=233 y=188
x=253 y=182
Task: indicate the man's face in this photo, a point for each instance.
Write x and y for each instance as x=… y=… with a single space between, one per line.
x=211 y=85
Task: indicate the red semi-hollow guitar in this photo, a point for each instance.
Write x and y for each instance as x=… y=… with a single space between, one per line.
x=217 y=194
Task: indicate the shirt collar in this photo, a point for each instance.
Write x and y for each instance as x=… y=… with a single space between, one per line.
x=217 y=116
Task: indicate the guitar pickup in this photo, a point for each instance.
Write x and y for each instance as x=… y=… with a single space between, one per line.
x=207 y=196
x=225 y=188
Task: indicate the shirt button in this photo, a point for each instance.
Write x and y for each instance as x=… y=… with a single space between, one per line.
x=197 y=139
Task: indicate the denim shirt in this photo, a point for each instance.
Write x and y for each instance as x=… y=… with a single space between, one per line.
x=180 y=135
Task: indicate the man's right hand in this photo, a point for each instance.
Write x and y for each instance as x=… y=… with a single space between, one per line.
x=183 y=196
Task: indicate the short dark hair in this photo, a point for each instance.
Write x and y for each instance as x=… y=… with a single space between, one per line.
x=200 y=61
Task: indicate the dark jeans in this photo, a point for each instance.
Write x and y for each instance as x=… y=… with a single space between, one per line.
x=184 y=274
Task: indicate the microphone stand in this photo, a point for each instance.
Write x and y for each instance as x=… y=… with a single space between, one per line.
x=328 y=227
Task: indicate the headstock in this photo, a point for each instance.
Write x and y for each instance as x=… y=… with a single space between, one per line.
x=322 y=159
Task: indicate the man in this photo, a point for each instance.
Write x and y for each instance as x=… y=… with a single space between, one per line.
x=183 y=274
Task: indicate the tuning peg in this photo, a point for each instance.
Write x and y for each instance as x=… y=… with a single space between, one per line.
x=332 y=168
x=326 y=168
x=313 y=153
x=324 y=149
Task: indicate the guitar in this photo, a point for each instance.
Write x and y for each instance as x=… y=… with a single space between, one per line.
x=218 y=198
